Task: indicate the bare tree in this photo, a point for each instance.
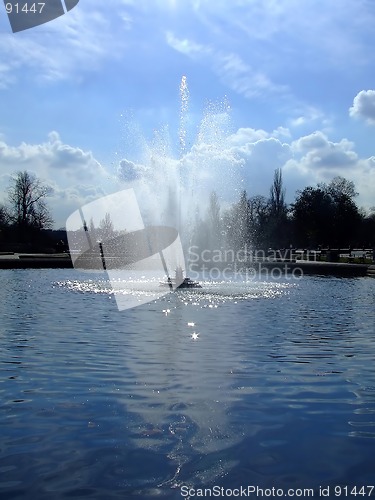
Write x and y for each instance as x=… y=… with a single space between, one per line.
x=4 y=216
x=341 y=188
x=27 y=195
x=277 y=223
x=106 y=228
x=277 y=194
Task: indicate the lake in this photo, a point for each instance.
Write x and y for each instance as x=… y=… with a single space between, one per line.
x=269 y=384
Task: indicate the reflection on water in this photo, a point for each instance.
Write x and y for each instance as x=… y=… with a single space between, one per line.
x=264 y=383
x=210 y=293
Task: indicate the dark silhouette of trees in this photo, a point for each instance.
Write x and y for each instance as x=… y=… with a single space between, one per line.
x=277 y=195
x=278 y=230
x=4 y=225
x=340 y=187
x=347 y=218
x=259 y=217
x=267 y=219
x=24 y=219
x=312 y=215
x=327 y=215
x=366 y=236
x=4 y=217
x=27 y=196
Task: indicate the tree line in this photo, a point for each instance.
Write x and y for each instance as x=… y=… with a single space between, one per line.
x=325 y=216
x=25 y=214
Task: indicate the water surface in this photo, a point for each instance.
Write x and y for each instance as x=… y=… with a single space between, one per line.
x=269 y=384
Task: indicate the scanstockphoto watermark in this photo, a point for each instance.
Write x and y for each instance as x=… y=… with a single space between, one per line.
x=250 y=491
x=244 y=255
x=241 y=265
x=232 y=273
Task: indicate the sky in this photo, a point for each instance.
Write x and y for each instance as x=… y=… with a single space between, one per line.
x=91 y=102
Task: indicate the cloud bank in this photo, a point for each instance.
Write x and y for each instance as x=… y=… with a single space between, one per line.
x=364 y=106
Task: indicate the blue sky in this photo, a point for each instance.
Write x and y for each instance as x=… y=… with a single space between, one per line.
x=287 y=84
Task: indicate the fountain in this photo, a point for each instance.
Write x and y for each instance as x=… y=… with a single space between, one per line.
x=175 y=182
x=180 y=398
x=140 y=236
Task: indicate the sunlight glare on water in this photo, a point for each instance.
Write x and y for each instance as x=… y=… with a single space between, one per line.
x=211 y=293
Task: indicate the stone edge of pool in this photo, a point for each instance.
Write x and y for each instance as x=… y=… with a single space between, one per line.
x=34 y=261
x=63 y=261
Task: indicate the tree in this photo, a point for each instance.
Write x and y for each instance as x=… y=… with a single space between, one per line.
x=259 y=217
x=4 y=217
x=236 y=223
x=347 y=218
x=214 y=222
x=312 y=217
x=4 y=224
x=278 y=220
x=327 y=214
x=339 y=188
x=277 y=195
x=367 y=235
x=106 y=228
x=27 y=195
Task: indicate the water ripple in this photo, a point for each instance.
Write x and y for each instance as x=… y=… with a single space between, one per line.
x=237 y=383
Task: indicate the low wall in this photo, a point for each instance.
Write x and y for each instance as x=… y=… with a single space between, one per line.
x=33 y=261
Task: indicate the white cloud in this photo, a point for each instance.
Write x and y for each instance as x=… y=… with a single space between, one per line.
x=327 y=34
x=82 y=40
x=223 y=161
x=321 y=153
x=316 y=140
x=261 y=153
x=247 y=135
x=316 y=159
x=50 y=157
x=75 y=176
x=306 y=115
x=364 y=106
x=186 y=46
x=364 y=179
x=129 y=171
x=281 y=132
x=243 y=78
x=218 y=160
x=71 y=160
x=230 y=67
x=300 y=173
x=228 y=162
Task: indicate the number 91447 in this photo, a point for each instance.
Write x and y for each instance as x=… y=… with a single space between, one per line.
x=25 y=8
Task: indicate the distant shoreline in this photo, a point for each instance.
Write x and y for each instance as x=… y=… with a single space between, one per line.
x=35 y=261
x=63 y=261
